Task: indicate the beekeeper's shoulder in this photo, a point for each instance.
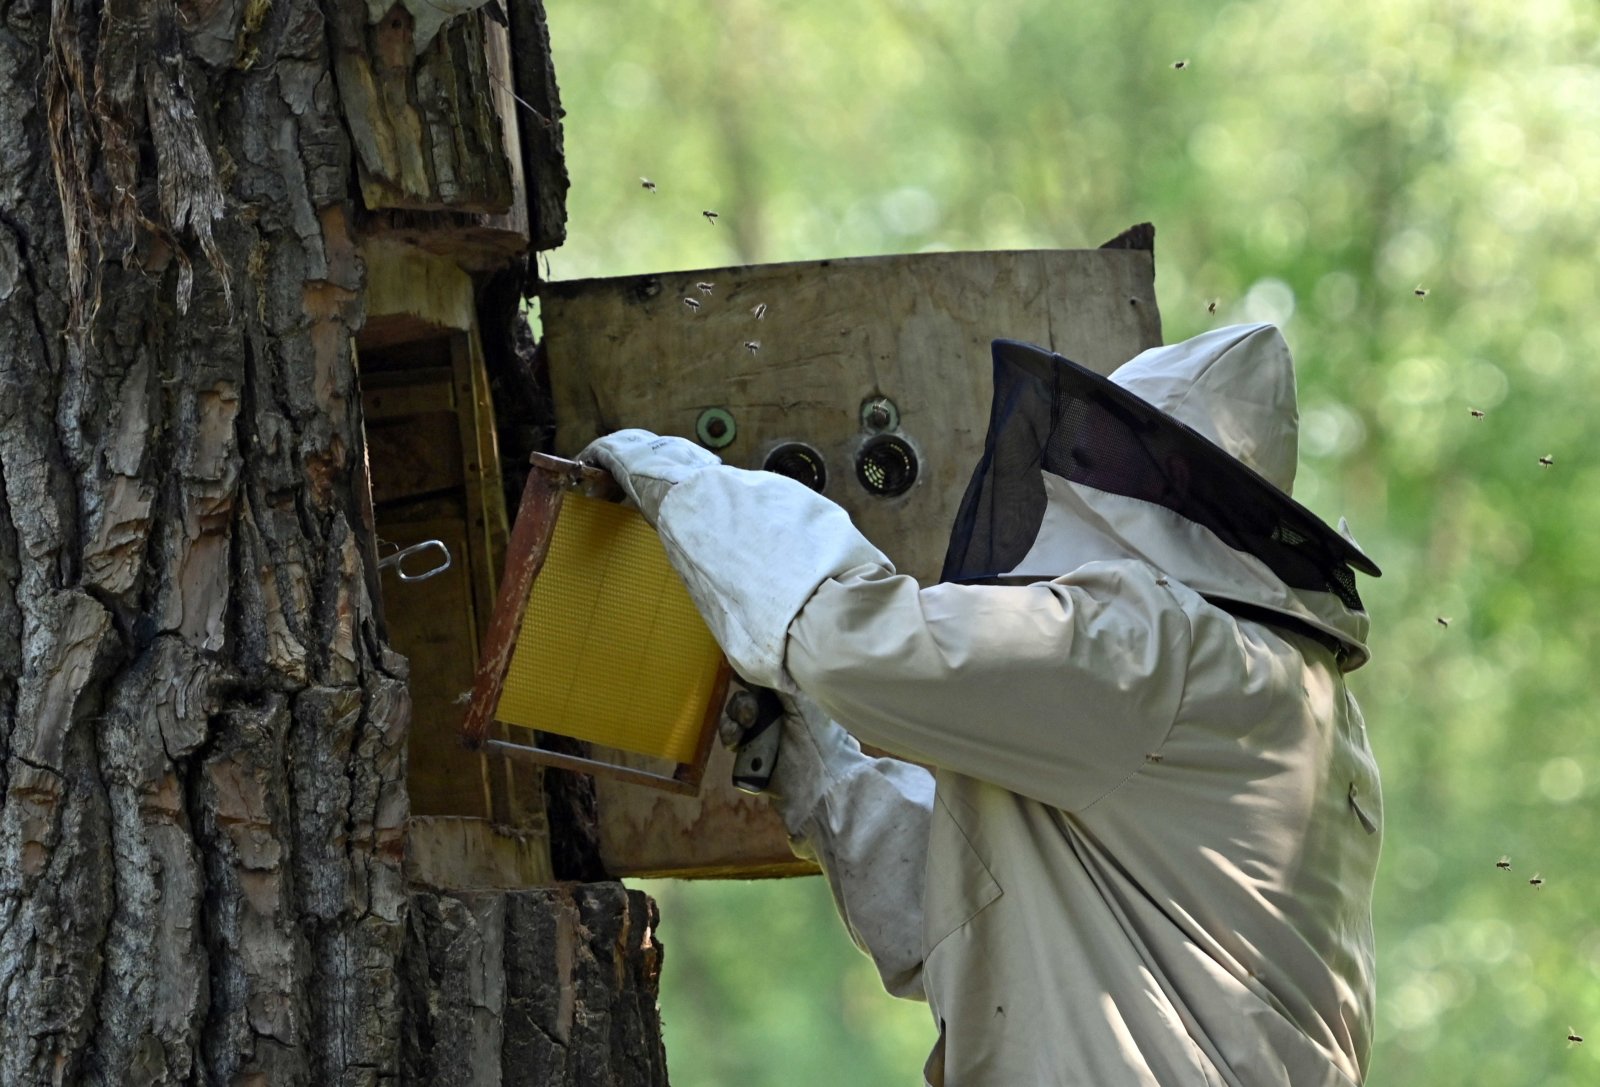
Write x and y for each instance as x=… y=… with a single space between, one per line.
x=1130 y=592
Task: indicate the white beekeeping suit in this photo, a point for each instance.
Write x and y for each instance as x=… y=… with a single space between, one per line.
x=1147 y=851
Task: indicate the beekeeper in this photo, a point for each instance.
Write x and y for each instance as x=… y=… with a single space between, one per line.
x=1146 y=852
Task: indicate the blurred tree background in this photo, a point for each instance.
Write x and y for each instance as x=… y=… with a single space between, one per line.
x=1320 y=165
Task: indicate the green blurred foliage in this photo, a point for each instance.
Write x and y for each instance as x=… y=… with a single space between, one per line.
x=1313 y=164
x=761 y=985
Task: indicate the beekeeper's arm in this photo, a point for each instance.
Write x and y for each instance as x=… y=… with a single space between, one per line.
x=864 y=820
x=1056 y=691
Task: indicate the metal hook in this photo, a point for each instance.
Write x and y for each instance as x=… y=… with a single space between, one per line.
x=395 y=560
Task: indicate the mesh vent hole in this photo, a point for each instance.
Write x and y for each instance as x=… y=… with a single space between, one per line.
x=800 y=462
x=886 y=466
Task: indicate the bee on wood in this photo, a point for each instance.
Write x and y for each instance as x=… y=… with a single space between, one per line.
x=646 y=184
x=1420 y=291
x=691 y=303
x=1536 y=882
x=759 y=311
x=1442 y=620
x=711 y=217
x=1211 y=307
x=1154 y=757
x=1573 y=1037
x=752 y=346
x=1475 y=413
x=1181 y=64
x=1546 y=461
x=1504 y=863
x=704 y=288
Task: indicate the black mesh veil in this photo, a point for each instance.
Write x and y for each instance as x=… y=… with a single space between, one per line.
x=1049 y=414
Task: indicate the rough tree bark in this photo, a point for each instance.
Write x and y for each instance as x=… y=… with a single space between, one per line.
x=202 y=735
x=203 y=738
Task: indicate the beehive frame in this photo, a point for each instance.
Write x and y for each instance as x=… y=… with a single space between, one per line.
x=550 y=480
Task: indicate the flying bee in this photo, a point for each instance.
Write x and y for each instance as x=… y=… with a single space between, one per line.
x=691 y=303
x=704 y=288
x=1181 y=64
x=752 y=346
x=1504 y=863
x=759 y=311
x=1420 y=291
x=646 y=184
x=1573 y=1037
x=1442 y=620
x=711 y=217
x=1211 y=307
x=1546 y=461
x=1536 y=882
x=1475 y=413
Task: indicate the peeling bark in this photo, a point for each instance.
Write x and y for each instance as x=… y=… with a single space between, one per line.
x=203 y=742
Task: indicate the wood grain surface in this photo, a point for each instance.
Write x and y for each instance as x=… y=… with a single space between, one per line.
x=630 y=353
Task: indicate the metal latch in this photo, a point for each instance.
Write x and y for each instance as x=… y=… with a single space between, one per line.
x=753 y=716
x=397 y=560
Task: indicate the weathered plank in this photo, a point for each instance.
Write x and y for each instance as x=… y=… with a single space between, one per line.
x=434 y=624
x=914 y=329
x=720 y=834
x=425 y=125
x=464 y=854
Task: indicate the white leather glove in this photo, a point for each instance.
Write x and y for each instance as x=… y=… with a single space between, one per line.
x=647 y=466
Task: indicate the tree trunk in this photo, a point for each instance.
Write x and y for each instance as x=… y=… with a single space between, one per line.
x=554 y=987
x=202 y=733
x=204 y=740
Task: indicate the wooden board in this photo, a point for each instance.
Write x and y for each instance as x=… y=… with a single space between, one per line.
x=463 y=854
x=720 y=834
x=433 y=623
x=434 y=473
x=916 y=329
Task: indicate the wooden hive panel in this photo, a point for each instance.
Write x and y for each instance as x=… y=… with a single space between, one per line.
x=629 y=352
x=916 y=329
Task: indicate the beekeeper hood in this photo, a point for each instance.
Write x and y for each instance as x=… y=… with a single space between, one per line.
x=1184 y=458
